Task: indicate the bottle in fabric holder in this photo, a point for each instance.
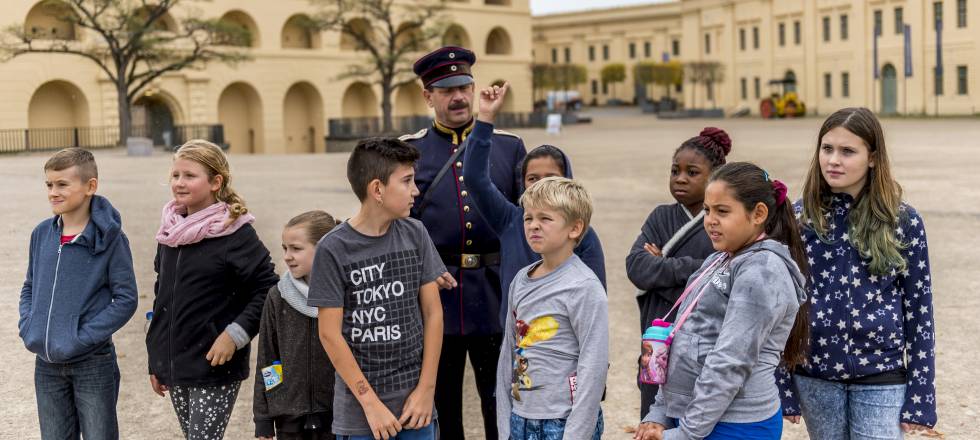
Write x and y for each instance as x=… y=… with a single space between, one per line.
x=272 y=375
x=653 y=355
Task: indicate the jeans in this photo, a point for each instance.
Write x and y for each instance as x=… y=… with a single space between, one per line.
x=426 y=433
x=550 y=429
x=837 y=411
x=78 y=399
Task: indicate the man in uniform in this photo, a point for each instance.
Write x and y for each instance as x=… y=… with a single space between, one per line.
x=469 y=248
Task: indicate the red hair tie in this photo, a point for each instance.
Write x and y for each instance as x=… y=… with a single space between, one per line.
x=780 y=189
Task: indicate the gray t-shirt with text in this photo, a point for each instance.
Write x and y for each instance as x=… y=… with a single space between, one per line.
x=376 y=281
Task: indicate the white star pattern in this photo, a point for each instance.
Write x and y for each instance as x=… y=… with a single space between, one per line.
x=867 y=323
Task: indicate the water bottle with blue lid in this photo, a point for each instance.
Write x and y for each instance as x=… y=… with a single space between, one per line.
x=653 y=357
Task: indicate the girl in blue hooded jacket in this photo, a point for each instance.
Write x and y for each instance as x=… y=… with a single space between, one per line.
x=507 y=219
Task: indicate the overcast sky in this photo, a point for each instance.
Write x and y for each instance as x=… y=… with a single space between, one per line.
x=539 y=7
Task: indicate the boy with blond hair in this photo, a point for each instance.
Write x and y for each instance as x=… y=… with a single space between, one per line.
x=79 y=290
x=553 y=362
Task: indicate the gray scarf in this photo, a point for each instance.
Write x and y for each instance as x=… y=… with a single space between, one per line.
x=296 y=292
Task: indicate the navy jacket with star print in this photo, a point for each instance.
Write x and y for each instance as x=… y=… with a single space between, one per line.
x=864 y=324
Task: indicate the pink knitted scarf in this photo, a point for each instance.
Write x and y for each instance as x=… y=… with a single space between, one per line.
x=178 y=229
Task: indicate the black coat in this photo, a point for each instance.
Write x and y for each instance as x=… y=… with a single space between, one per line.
x=200 y=289
x=307 y=388
x=663 y=279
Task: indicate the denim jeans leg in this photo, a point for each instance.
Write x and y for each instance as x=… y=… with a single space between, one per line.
x=824 y=407
x=875 y=411
x=55 y=407
x=96 y=387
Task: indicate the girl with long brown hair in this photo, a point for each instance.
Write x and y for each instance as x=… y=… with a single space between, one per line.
x=871 y=369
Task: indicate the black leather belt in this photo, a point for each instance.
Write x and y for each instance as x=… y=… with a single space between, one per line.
x=470 y=261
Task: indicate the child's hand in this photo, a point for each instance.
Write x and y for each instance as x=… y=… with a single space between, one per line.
x=222 y=350
x=158 y=387
x=446 y=281
x=491 y=99
x=649 y=431
x=652 y=249
x=417 y=412
x=383 y=423
x=792 y=419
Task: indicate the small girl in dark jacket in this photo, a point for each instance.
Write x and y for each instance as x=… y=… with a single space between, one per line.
x=213 y=273
x=672 y=243
x=295 y=402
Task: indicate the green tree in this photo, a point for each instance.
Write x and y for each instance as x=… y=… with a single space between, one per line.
x=612 y=74
x=391 y=34
x=704 y=72
x=132 y=42
x=669 y=74
x=643 y=74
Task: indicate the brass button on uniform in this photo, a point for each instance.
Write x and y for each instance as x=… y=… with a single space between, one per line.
x=460 y=178
x=454 y=150
x=469 y=225
x=464 y=193
x=466 y=208
x=459 y=164
x=469 y=242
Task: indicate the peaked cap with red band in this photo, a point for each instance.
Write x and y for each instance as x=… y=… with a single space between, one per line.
x=446 y=67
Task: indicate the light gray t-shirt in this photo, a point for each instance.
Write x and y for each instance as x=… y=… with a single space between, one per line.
x=555 y=352
x=376 y=281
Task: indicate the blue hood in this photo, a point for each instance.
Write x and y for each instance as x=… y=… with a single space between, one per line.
x=76 y=295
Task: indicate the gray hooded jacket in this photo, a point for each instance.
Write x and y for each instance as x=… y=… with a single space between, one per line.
x=722 y=360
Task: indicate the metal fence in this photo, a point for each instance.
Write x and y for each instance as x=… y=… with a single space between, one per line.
x=356 y=128
x=48 y=139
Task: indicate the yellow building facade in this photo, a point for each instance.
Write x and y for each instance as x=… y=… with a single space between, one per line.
x=827 y=46
x=279 y=101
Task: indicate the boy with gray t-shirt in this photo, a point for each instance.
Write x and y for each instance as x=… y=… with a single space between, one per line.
x=380 y=318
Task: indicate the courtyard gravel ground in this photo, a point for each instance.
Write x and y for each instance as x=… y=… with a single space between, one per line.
x=622 y=157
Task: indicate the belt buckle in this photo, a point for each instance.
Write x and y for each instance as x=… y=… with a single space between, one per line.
x=470 y=261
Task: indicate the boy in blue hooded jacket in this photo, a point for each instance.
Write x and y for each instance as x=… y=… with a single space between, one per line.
x=79 y=290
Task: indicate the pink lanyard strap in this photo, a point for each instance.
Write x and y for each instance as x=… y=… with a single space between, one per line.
x=690 y=287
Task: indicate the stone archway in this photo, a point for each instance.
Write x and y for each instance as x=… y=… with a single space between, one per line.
x=456 y=36
x=298 y=33
x=55 y=109
x=359 y=102
x=240 y=111
x=498 y=42
x=303 y=122
x=242 y=20
x=45 y=21
x=409 y=101
x=155 y=115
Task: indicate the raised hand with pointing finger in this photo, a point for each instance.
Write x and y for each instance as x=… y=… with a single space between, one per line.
x=491 y=100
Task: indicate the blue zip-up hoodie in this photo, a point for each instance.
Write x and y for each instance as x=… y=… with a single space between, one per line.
x=864 y=324
x=78 y=294
x=507 y=219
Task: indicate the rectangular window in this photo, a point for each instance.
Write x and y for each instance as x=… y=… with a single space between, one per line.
x=797 y=38
x=591 y=53
x=961 y=13
x=843 y=27
x=877 y=24
x=647 y=49
x=595 y=87
x=757 y=85
x=938 y=84
x=679 y=87
x=632 y=50
x=605 y=52
x=707 y=43
x=755 y=38
x=745 y=89
x=782 y=34
x=605 y=88
x=899 y=21
x=961 y=80
x=845 y=85
x=937 y=14
x=711 y=92
x=554 y=55
x=568 y=55
x=741 y=39
x=675 y=48
x=826 y=85
x=826 y=29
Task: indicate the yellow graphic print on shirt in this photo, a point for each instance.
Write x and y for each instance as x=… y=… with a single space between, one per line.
x=540 y=329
